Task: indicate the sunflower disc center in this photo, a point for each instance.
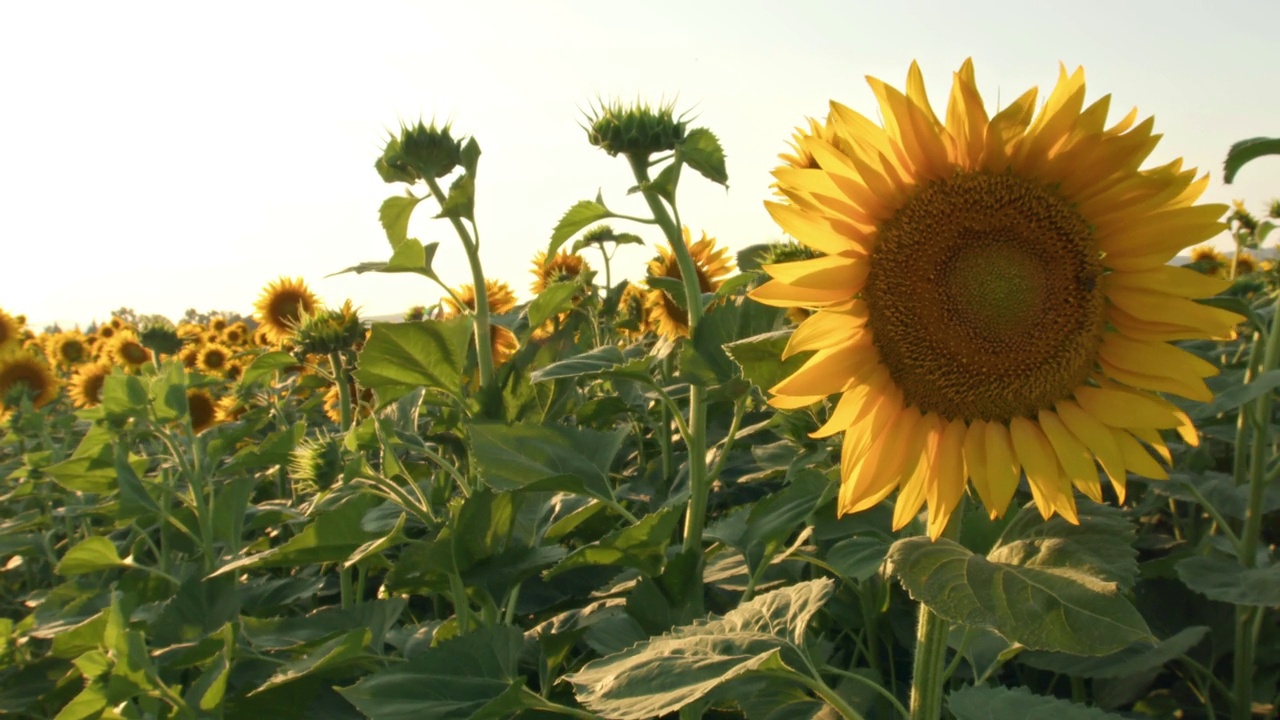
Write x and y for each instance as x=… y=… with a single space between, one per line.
x=984 y=298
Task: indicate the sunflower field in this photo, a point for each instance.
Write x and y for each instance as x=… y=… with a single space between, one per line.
x=965 y=445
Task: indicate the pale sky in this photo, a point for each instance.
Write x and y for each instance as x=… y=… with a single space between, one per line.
x=170 y=155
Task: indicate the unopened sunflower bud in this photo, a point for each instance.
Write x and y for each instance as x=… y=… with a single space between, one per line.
x=314 y=463
x=328 y=331
x=421 y=152
x=635 y=130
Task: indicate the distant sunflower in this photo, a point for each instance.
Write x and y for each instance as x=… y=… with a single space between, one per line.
x=668 y=319
x=85 y=387
x=236 y=333
x=992 y=297
x=213 y=358
x=202 y=408
x=217 y=323
x=633 y=320
x=562 y=267
x=1209 y=260
x=106 y=331
x=24 y=375
x=68 y=349
x=501 y=300
x=1246 y=263
x=229 y=409
x=128 y=352
x=10 y=333
x=282 y=303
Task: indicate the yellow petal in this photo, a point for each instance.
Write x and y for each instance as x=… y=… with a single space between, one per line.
x=855 y=404
x=1170 y=279
x=967 y=118
x=1168 y=231
x=1190 y=388
x=975 y=461
x=1075 y=458
x=1159 y=307
x=1002 y=468
x=1098 y=438
x=830 y=371
x=914 y=489
x=812 y=230
x=1121 y=409
x=949 y=474
x=1040 y=461
x=829 y=272
x=1136 y=457
x=895 y=454
x=780 y=294
x=826 y=329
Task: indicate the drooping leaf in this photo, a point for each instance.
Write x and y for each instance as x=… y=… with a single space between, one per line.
x=461 y=200
x=857 y=558
x=1058 y=609
x=1245 y=151
x=980 y=702
x=642 y=546
x=1225 y=579
x=123 y=397
x=1130 y=661
x=545 y=457
x=92 y=554
x=704 y=361
x=394 y=216
x=412 y=256
x=666 y=673
x=606 y=360
x=557 y=298
x=399 y=357
x=331 y=537
x=701 y=151
x=1101 y=546
x=582 y=214
x=265 y=365
x=474 y=676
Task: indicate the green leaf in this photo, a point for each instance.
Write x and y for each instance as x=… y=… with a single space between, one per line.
x=135 y=501
x=545 y=457
x=760 y=358
x=341 y=651
x=557 y=298
x=704 y=361
x=264 y=367
x=857 y=558
x=92 y=467
x=582 y=214
x=399 y=357
x=642 y=546
x=1239 y=395
x=1264 y=229
x=168 y=392
x=472 y=677
x=208 y=691
x=701 y=151
x=666 y=673
x=664 y=184
x=90 y=555
x=606 y=360
x=413 y=256
x=88 y=705
x=331 y=537
x=775 y=518
x=617 y=239
x=1225 y=579
x=979 y=702
x=470 y=156
x=123 y=397
x=1245 y=151
x=394 y=216
x=1126 y=663
x=1044 y=609
x=1101 y=546
x=461 y=200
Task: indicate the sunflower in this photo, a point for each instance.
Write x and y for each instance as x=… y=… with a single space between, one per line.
x=229 y=409
x=633 y=321
x=237 y=333
x=67 y=349
x=106 y=331
x=992 y=297
x=665 y=315
x=1208 y=260
x=564 y=266
x=10 y=333
x=282 y=303
x=24 y=375
x=501 y=300
x=85 y=387
x=128 y=352
x=202 y=408
x=217 y=323
x=213 y=358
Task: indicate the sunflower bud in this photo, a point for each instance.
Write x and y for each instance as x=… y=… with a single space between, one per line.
x=314 y=463
x=636 y=130
x=1273 y=211
x=329 y=331
x=1241 y=217
x=419 y=153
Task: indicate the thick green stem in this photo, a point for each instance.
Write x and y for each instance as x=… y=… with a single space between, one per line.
x=344 y=389
x=929 y=670
x=484 y=345
x=1246 y=635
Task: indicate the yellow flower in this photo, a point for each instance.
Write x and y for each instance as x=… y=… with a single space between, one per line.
x=67 y=349
x=24 y=375
x=213 y=358
x=501 y=300
x=1210 y=261
x=85 y=388
x=281 y=305
x=1245 y=263
x=668 y=319
x=633 y=320
x=202 y=408
x=127 y=352
x=10 y=333
x=562 y=267
x=992 y=297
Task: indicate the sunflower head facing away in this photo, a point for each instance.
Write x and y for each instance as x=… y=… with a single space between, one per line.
x=991 y=296
x=666 y=317
x=1209 y=260
x=281 y=305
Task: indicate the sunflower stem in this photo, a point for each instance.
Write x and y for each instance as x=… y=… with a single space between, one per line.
x=928 y=673
x=344 y=389
x=1246 y=635
x=484 y=345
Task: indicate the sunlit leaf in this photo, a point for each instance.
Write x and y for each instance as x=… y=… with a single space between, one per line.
x=394 y=216
x=1246 y=151
x=1225 y=579
x=399 y=357
x=582 y=214
x=701 y=151
x=92 y=554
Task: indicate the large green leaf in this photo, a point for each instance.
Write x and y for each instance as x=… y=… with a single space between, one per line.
x=394 y=216
x=606 y=360
x=472 y=677
x=92 y=554
x=582 y=214
x=1130 y=661
x=331 y=537
x=977 y=702
x=1050 y=608
x=557 y=298
x=701 y=151
x=1246 y=151
x=1221 y=578
x=704 y=360
x=760 y=358
x=339 y=652
x=399 y=357
x=545 y=457
x=642 y=546
x=123 y=397
x=265 y=365
x=1100 y=546
x=1236 y=396
x=666 y=673
x=92 y=467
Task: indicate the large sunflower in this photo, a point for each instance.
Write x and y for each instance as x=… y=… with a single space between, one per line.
x=86 y=384
x=127 y=351
x=668 y=318
x=501 y=300
x=24 y=375
x=67 y=349
x=213 y=358
x=281 y=305
x=564 y=266
x=992 y=297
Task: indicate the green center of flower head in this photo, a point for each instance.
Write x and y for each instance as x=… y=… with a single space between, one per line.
x=983 y=297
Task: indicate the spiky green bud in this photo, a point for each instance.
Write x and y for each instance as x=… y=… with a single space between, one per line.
x=327 y=331
x=314 y=463
x=421 y=152
x=635 y=129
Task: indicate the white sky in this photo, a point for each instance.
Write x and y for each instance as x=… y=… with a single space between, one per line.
x=171 y=155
